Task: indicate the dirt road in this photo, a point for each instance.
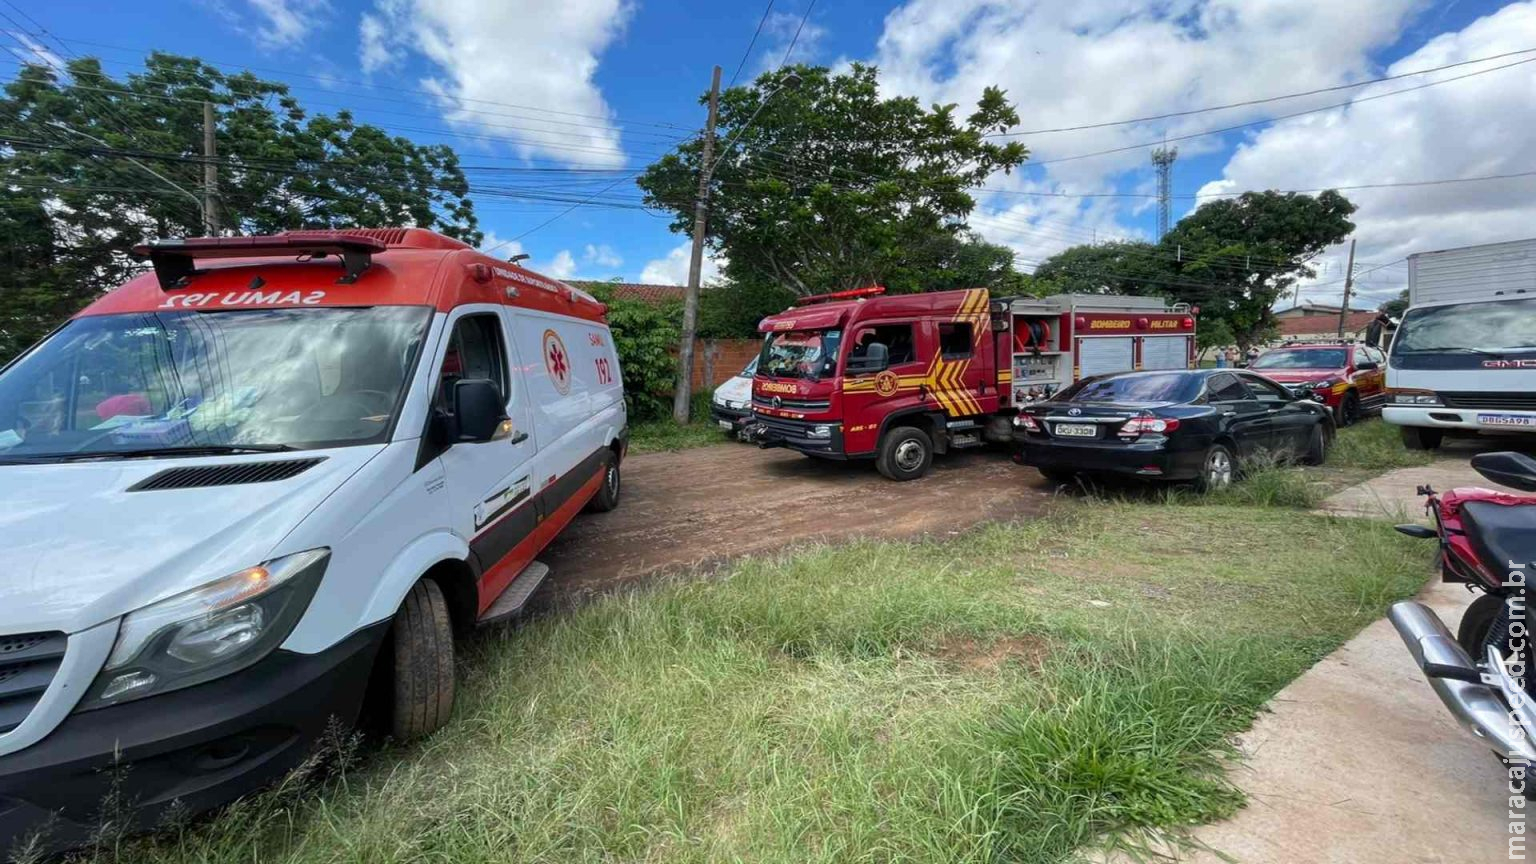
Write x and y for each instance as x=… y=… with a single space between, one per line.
x=713 y=503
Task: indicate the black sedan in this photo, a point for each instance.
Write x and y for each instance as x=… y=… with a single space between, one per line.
x=1198 y=425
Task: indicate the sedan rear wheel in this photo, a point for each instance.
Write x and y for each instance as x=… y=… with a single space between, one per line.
x=1217 y=470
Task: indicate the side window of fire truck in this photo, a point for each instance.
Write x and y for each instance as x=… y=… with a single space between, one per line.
x=475 y=350
x=897 y=339
x=1226 y=388
x=955 y=339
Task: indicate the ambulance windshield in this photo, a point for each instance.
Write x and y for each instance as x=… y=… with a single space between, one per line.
x=116 y=385
x=800 y=354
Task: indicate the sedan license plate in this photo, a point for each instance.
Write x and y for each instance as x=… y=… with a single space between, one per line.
x=1505 y=420
x=725 y=424
x=1077 y=430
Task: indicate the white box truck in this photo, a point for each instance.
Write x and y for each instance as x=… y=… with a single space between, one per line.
x=1464 y=358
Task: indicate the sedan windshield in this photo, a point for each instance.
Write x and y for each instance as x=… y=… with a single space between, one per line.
x=800 y=353
x=116 y=385
x=1302 y=358
x=1134 y=389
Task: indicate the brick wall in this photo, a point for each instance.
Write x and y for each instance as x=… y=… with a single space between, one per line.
x=726 y=358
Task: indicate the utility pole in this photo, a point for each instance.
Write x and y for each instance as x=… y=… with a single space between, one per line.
x=1349 y=283
x=210 y=173
x=682 y=397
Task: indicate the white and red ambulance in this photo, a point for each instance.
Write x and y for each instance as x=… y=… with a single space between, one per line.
x=266 y=485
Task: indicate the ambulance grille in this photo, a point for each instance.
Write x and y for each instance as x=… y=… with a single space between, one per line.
x=28 y=663
x=240 y=473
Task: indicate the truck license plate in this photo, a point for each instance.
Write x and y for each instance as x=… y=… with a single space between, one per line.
x=1505 y=420
x=1077 y=430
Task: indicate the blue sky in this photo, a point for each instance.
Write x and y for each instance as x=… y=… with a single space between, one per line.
x=608 y=84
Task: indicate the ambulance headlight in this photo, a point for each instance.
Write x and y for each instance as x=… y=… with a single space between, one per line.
x=819 y=432
x=208 y=632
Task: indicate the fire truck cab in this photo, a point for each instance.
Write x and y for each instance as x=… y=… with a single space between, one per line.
x=899 y=379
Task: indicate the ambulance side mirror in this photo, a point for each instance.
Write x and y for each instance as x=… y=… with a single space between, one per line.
x=875 y=358
x=479 y=411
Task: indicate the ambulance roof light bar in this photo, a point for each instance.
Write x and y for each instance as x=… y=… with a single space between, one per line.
x=850 y=294
x=174 y=257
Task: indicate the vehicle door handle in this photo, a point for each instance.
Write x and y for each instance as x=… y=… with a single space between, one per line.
x=1229 y=413
x=519 y=437
x=1272 y=411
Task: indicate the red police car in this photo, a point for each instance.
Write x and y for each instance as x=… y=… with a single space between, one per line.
x=1351 y=379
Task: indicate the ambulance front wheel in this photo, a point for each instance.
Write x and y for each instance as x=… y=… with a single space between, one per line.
x=420 y=663
x=905 y=453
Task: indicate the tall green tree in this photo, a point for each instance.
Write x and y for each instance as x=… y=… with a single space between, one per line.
x=1233 y=258
x=1396 y=306
x=830 y=185
x=93 y=165
x=1236 y=256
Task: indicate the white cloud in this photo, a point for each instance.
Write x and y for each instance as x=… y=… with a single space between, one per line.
x=1466 y=128
x=536 y=55
x=1065 y=64
x=673 y=269
x=287 y=22
x=38 y=51
x=779 y=32
x=562 y=267
x=602 y=255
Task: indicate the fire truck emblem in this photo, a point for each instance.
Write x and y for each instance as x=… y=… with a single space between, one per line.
x=557 y=361
x=778 y=401
x=886 y=383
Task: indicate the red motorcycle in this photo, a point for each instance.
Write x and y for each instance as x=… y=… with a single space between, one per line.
x=1487 y=542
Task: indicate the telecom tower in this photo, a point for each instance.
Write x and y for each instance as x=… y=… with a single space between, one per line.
x=1163 y=158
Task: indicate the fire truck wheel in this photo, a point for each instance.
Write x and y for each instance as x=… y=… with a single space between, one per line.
x=607 y=497
x=905 y=454
x=1217 y=470
x=422 y=663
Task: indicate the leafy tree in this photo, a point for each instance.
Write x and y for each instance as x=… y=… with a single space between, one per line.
x=1236 y=256
x=830 y=185
x=82 y=152
x=1396 y=306
x=1233 y=258
x=1118 y=267
x=644 y=336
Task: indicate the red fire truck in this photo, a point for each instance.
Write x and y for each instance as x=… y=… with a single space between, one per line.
x=900 y=378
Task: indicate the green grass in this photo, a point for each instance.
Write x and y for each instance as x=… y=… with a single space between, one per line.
x=1375 y=445
x=1013 y=694
x=652 y=436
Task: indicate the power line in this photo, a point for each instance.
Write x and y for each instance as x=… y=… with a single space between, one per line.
x=1445 y=181
x=748 y=53
x=1261 y=101
x=793 y=41
x=1277 y=118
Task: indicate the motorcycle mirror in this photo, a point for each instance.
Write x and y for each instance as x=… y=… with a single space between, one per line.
x=1515 y=470
x=1418 y=531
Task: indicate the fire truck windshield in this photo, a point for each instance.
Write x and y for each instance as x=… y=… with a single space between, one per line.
x=800 y=354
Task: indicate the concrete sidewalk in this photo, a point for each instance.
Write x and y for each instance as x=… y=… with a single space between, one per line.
x=1357 y=761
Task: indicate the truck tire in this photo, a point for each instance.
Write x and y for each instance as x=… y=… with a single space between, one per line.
x=607 y=496
x=906 y=452
x=421 y=640
x=1420 y=438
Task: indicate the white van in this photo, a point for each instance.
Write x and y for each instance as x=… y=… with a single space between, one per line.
x=1463 y=359
x=244 y=497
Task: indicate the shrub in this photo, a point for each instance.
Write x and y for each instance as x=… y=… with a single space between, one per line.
x=644 y=335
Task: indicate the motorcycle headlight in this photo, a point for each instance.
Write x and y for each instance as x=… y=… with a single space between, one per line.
x=208 y=632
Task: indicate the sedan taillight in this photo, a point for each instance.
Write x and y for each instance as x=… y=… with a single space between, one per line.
x=1137 y=426
x=1026 y=422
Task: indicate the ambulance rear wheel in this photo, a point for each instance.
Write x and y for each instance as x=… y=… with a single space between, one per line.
x=607 y=496
x=905 y=454
x=421 y=663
